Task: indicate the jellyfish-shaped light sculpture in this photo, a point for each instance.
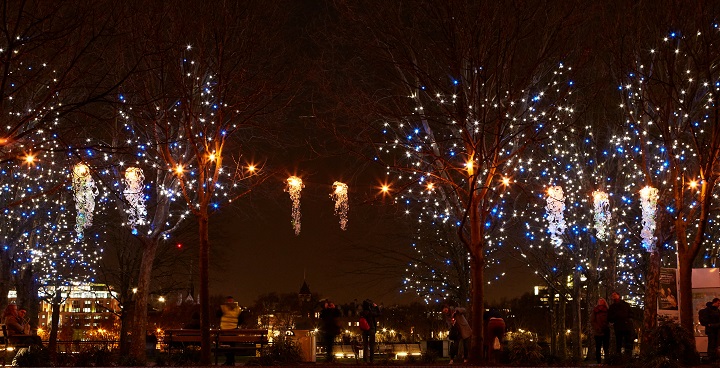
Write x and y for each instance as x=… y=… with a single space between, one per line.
x=340 y=196
x=135 y=198
x=555 y=209
x=294 y=187
x=648 y=202
x=601 y=209
x=84 y=191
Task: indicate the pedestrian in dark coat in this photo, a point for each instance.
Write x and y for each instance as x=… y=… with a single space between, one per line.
x=711 y=320
x=370 y=311
x=619 y=314
x=330 y=317
x=601 y=328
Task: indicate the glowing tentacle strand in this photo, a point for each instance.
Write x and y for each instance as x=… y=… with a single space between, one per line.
x=84 y=191
x=648 y=201
x=133 y=192
x=555 y=217
x=340 y=196
x=294 y=187
x=601 y=206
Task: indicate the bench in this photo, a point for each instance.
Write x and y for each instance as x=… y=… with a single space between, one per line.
x=10 y=343
x=223 y=341
x=401 y=349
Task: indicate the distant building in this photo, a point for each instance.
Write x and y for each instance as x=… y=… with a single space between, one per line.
x=86 y=306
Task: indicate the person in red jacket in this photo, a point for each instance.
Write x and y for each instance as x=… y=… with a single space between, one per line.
x=601 y=328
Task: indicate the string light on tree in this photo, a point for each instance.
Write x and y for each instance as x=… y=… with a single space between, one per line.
x=340 y=196
x=554 y=210
x=601 y=207
x=294 y=187
x=133 y=192
x=85 y=191
x=648 y=201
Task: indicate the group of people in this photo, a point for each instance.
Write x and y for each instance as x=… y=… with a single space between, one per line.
x=18 y=326
x=460 y=332
x=619 y=315
x=710 y=319
x=330 y=318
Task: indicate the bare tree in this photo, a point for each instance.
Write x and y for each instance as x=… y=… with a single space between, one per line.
x=460 y=90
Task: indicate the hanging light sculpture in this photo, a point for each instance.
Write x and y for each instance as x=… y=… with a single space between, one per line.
x=555 y=217
x=85 y=192
x=340 y=196
x=294 y=187
x=133 y=192
x=601 y=206
x=648 y=201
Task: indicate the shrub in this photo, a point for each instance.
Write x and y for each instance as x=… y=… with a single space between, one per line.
x=524 y=349
x=95 y=357
x=34 y=356
x=283 y=351
x=670 y=345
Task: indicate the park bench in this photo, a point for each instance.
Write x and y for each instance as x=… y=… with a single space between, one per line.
x=9 y=344
x=401 y=349
x=223 y=341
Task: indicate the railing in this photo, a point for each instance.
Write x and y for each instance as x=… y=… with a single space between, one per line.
x=70 y=346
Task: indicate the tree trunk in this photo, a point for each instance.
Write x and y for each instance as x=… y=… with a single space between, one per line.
x=54 y=324
x=553 y=322
x=204 y=290
x=126 y=323
x=562 y=326
x=5 y=279
x=477 y=268
x=27 y=295
x=651 y=300
x=685 y=262
x=577 y=317
x=139 y=325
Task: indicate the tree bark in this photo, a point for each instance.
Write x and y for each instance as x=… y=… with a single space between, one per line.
x=204 y=290
x=54 y=324
x=651 y=300
x=139 y=326
x=577 y=317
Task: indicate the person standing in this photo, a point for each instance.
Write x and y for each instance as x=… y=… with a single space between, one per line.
x=601 y=328
x=710 y=318
x=619 y=315
x=370 y=311
x=230 y=311
x=494 y=329
x=330 y=317
x=455 y=320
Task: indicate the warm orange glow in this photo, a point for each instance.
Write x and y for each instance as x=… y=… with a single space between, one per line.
x=211 y=157
x=385 y=188
x=179 y=169
x=693 y=184
x=29 y=159
x=430 y=186
x=251 y=168
x=470 y=167
x=506 y=181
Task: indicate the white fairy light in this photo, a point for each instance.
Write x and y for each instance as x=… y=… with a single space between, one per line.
x=133 y=192
x=602 y=214
x=85 y=191
x=554 y=209
x=294 y=187
x=648 y=201
x=340 y=196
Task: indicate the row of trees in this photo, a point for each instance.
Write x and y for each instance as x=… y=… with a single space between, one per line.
x=473 y=109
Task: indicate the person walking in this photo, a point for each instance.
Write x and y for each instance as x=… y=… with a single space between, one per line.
x=370 y=312
x=619 y=314
x=710 y=318
x=601 y=329
x=330 y=317
x=460 y=331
